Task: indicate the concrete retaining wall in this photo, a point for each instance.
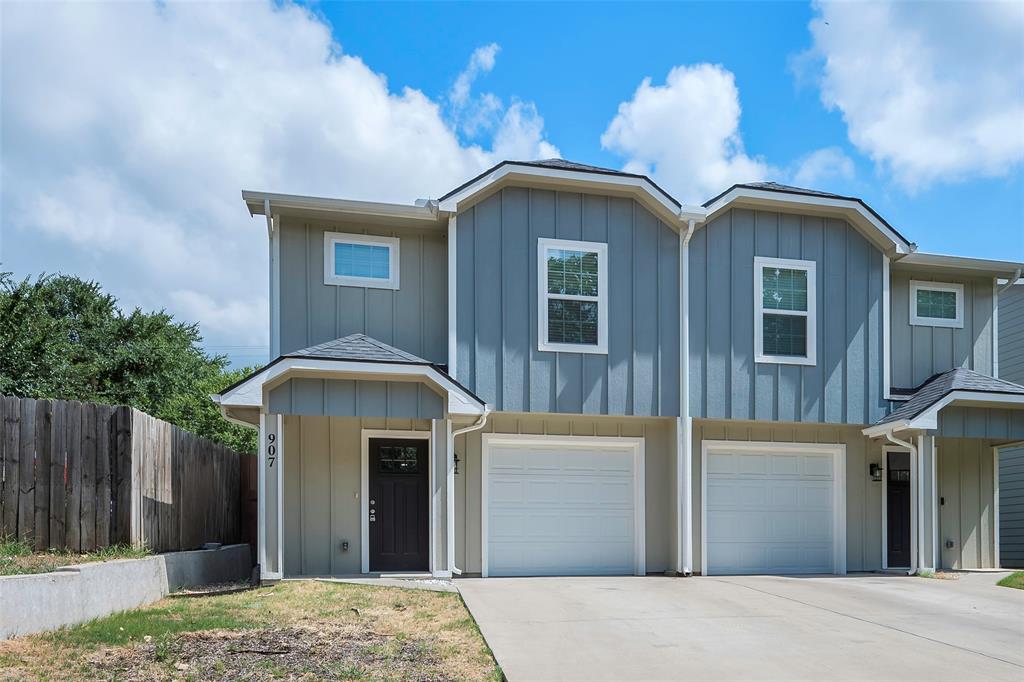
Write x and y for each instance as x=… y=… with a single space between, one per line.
x=76 y=594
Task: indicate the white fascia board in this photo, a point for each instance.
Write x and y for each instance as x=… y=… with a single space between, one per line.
x=981 y=265
x=929 y=419
x=900 y=245
x=250 y=392
x=598 y=180
x=256 y=200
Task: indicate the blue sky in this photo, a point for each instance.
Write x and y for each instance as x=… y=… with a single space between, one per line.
x=128 y=129
x=577 y=63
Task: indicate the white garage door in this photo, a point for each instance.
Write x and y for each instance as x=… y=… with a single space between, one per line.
x=562 y=507
x=771 y=508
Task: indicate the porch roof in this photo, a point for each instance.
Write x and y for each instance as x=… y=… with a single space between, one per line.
x=956 y=385
x=358 y=357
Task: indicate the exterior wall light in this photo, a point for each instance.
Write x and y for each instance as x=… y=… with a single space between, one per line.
x=875 y=469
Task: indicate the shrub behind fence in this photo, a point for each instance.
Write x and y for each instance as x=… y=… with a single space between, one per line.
x=81 y=476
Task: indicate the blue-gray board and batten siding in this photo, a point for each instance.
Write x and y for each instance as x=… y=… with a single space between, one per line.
x=920 y=352
x=497 y=345
x=355 y=398
x=413 y=318
x=845 y=385
x=1011 y=460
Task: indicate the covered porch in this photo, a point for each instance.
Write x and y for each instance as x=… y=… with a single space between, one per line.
x=357 y=464
x=940 y=472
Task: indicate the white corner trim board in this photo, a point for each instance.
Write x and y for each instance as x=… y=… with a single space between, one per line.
x=519 y=451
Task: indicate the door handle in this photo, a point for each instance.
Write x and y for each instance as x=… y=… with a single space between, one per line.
x=373 y=512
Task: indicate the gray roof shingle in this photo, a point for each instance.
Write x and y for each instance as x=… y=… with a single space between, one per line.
x=358 y=347
x=940 y=385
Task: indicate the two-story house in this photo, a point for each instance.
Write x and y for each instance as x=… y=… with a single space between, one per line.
x=557 y=369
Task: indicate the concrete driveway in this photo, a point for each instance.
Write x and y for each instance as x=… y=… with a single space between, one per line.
x=867 y=627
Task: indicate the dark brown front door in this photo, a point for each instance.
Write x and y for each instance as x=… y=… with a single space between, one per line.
x=399 y=505
x=897 y=506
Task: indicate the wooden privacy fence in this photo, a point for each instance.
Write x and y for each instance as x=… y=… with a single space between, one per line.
x=81 y=476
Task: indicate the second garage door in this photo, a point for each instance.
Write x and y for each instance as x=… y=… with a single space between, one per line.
x=773 y=508
x=567 y=506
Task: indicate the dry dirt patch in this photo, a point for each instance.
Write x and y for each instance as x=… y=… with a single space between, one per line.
x=294 y=631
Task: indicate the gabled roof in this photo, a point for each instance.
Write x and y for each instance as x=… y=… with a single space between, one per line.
x=960 y=383
x=353 y=356
x=774 y=193
x=559 y=173
x=358 y=347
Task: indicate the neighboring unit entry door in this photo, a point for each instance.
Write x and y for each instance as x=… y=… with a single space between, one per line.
x=897 y=509
x=399 y=504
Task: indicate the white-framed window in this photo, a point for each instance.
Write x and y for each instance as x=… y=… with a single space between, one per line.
x=360 y=260
x=785 y=315
x=572 y=289
x=936 y=304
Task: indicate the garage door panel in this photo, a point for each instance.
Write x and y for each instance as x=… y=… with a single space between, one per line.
x=560 y=510
x=778 y=521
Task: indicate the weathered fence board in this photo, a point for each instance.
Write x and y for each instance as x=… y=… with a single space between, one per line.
x=81 y=476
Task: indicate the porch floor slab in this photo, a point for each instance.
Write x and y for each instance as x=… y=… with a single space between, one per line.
x=857 y=627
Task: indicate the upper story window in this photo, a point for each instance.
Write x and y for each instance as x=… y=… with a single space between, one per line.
x=936 y=304
x=784 y=311
x=573 y=296
x=360 y=260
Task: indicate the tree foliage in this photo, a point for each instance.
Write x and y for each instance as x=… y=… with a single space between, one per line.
x=63 y=337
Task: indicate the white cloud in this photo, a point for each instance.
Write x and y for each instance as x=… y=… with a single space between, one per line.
x=822 y=166
x=685 y=133
x=130 y=128
x=481 y=61
x=931 y=92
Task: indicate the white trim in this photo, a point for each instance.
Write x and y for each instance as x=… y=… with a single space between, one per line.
x=261 y=501
x=886 y=327
x=920 y=504
x=982 y=265
x=275 y=284
x=582 y=178
x=995 y=508
x=250 y=392
x=449 y=483
x=432 y=561
x=392 y=244
x=838 y=452
x=770 y=197
x=364 y=488
x=280 y=496
x=920 y=285
x=811 y=314
x=995 y=327
x=636 y=445
x=544 y=244
x=295 y=202
x=684 y=435
x=453 y=299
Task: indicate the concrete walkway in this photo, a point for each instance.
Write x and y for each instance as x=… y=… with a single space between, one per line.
x=861 y=627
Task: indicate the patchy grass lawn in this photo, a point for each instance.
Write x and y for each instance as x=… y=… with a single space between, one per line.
x=1014 y=580
x=293 y=630
x=18 y=558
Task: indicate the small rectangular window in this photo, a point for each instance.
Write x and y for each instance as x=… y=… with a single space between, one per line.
x=936 y=304
x=784 y=322
x=573 y=296
x=360 y=260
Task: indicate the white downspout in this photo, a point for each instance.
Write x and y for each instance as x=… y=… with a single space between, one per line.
x=450 y=484
x=1011 y=281
x=684 y=477
x=916 y=561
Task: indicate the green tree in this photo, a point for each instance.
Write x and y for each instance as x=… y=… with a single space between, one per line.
x=63 y=337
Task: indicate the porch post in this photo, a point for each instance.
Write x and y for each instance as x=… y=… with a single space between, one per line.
x=449 y=542
x=269 y=550
x=927 y=504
